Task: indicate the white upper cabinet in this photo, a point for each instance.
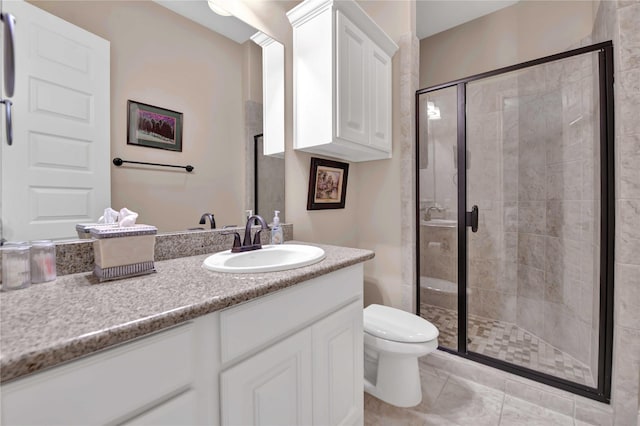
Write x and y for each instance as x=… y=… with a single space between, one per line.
x=272 y=94
x=342 y=81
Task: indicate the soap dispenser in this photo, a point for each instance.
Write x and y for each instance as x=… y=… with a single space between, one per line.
x=276 y=230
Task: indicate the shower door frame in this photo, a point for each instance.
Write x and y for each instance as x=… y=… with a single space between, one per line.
x=607 y=223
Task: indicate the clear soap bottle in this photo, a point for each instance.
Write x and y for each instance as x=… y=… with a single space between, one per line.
x=276 y=231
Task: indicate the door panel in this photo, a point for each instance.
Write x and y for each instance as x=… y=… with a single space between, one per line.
x=438 y=229
x=272 y=387
x=352 y=82
x=533 y=264
x=56 y=174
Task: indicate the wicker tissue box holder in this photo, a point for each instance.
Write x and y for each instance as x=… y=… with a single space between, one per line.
x=123 y=252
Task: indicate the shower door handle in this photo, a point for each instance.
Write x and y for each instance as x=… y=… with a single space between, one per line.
x=472 y=219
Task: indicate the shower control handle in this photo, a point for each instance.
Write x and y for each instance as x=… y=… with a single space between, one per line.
x=472 y=219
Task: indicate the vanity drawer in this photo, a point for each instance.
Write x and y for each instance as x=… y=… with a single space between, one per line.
x=249 y=326
x=105 y=387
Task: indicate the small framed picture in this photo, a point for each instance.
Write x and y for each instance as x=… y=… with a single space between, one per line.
x=327 y=184
x=153 y=127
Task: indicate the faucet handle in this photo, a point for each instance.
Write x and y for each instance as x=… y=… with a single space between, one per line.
x=256 y=238
x=236 y=238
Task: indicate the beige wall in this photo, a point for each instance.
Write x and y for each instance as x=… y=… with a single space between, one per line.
x=527 y=30
x=252 y=69
x=371 y=217
x=163 y=59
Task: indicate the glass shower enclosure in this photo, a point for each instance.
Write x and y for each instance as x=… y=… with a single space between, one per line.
x=515 y=218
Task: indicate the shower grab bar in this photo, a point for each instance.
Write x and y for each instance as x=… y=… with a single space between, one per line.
x=119 y=161
x=472 y=219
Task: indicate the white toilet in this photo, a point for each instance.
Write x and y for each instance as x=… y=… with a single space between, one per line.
x=393 y=341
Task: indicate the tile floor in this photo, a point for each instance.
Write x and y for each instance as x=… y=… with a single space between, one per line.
x=508 y=342
x=450 y=400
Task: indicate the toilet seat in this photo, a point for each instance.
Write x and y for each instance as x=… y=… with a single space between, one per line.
x=397 y=326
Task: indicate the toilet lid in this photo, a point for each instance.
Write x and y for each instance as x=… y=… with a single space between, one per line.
x=396 y=325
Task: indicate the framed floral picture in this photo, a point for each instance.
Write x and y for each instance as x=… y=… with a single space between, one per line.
x=327 y=184
x=154 y=127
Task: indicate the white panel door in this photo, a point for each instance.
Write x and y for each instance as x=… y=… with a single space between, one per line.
x=381 y=103
x=271 y=388
x=56 y=173
x=352 y=82
x=338 y=367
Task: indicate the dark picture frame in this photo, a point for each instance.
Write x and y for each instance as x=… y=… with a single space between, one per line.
x=327 y=184
x=153 y=127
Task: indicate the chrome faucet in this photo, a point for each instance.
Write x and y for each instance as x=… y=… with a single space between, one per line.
x=247 y=244
x=212 y=221
x=427 y=214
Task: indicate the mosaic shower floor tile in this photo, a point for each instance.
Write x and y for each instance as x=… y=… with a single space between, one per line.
x=508 y=342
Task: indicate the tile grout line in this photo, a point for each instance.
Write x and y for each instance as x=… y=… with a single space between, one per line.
x=504 y=396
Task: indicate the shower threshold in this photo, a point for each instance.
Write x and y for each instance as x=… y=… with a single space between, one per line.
x=507 y=342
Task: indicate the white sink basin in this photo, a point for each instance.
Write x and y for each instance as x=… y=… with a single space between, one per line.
x=441 y=223
x=270 y=258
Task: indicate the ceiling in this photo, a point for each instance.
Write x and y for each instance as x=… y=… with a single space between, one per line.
x=198 y=11
x=432 y=16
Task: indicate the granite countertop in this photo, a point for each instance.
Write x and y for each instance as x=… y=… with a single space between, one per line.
x=75 y=315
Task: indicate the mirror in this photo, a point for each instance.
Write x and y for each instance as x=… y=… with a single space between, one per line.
x=162 y=54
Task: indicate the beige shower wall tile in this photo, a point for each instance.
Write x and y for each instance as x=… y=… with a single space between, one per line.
x=531 y=81
x=626 y=369
x=560 y=151
x=486 y=243
x=531 y=250
x=564 y=181
x=627 y=295
x=630 y=57
x=532 y=180
x=628 y=232
x=564 y=219
x=590 y=180
x=530 y=282
x=563 y=264
x=441 y=267
x=532 y=217
x=628 y=97
x=497 y=305
x=530 y=315
x=629 y=165
x=564 y=331
x=483 y=273
x=510 y=212
x=628 y=18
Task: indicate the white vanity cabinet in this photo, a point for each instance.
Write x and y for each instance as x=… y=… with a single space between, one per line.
x=155 y=374
x=342 y=81
x=301 y=362
x=290 y=357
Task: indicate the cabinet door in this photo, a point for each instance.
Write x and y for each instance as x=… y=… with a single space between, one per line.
x=337 y=367
x=381 y=103
x=180 y=410
x=272 y=387
x=352 y=109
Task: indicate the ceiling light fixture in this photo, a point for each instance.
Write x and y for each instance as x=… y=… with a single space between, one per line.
x=217 y=9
